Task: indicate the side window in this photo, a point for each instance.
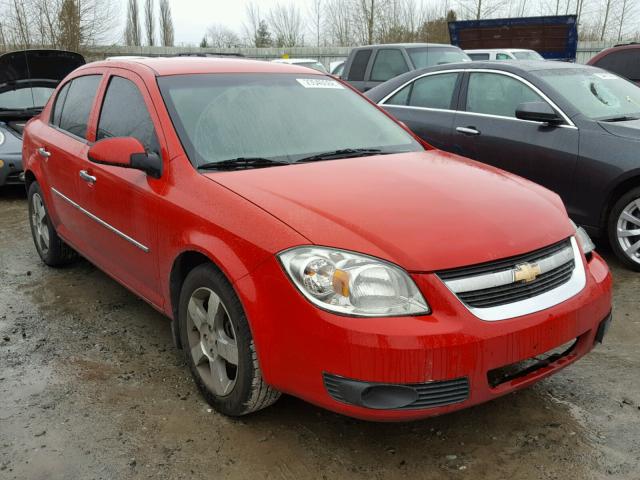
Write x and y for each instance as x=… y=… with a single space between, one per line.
x=479 y=56
x=502 y=56
x=59 y=103
x=434 y=91
x=495 y=94
x=401 y=97
x=389 y=63
x=124 y=114
x=77 y=104
x=359 y=65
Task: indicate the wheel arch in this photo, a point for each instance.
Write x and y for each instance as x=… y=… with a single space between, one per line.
x=182 y=265
x=625 y=184
x=29 y=178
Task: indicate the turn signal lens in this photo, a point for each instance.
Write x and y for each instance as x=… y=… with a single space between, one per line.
x=584 y=240
x=353 y=284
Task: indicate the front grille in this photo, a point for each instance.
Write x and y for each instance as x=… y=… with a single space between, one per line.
x=428 y=395
x=511 y=291
x=514 y=292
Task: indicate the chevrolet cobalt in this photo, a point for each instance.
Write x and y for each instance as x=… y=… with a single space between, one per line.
x=303 y=242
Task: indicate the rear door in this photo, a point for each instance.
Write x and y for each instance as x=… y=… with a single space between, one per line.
x=387 y=63
x=358 y=68
x=486 y=129
x=125 y=202
x=427 y=106
x=61 y=143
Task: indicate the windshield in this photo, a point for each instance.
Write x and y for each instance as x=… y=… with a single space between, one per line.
x=276 y=116
x=596 y=94
x=27 y=97
x=430 y=56
x=528 y=55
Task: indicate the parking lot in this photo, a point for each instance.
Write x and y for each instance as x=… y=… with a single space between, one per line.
x=92 y=387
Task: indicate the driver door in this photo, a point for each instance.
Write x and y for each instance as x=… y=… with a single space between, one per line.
x=126 y=203
x=486 y=129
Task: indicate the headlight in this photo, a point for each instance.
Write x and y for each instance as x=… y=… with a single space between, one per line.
x=1 y=138
x=584 y=240
x=352 y=284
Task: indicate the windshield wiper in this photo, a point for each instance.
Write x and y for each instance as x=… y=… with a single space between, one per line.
x=620 y=118
x=24 y=109
x=343 y=153
x=241 y=163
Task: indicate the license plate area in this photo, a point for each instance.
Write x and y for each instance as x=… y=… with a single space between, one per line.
x=510 y=372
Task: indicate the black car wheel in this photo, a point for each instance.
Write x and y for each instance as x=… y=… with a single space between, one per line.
x=624 y=229
x=218 y=344
x=51 y=248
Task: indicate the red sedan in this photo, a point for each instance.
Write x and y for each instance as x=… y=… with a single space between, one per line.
x=304 y=242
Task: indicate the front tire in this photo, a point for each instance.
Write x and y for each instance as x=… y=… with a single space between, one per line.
x=51 y=248
x=624 y=229
x=218 y=345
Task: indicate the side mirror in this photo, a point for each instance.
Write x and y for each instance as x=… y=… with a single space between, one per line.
x=126 y=152
x=538 y=112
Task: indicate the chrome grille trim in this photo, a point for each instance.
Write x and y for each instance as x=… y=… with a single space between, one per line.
x=506 y=277
x=547 y=299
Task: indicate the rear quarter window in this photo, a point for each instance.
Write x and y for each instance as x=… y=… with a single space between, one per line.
x=59 y=103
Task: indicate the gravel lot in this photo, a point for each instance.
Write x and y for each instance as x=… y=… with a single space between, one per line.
x=92 y=387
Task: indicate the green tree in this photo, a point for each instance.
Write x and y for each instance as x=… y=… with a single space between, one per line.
x=69 y=21
x=204 y=43
x=263 y=36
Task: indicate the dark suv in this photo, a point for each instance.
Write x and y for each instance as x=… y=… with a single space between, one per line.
x=372 y=65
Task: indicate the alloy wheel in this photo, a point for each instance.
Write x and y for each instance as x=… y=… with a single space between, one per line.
x=39 y=223
x=628 y=230
x=212 y=340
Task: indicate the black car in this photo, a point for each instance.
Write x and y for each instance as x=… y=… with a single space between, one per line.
x=574 y=129
x=27 y=80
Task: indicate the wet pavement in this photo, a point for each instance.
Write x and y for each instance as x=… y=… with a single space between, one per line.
x=91 y=387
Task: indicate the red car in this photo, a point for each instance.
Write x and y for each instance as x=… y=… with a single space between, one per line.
x=623 y=60
x=304 y=242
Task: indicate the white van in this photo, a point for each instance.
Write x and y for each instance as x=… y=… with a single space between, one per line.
x=504 y=54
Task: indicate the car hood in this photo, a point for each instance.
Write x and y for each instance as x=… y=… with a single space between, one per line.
x=628 y=129
x=425 y=211
x=36 y=66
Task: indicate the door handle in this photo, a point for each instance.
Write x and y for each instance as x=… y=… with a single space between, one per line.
x=84 y=175
x=43 y=152
x=468 y=130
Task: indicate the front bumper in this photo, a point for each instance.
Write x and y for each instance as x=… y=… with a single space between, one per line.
x=11 y=169
x=299 y=345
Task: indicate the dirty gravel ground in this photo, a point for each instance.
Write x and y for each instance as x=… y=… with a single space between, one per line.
x=92 y=387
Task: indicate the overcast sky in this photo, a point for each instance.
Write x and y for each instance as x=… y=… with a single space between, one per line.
x=192 y=17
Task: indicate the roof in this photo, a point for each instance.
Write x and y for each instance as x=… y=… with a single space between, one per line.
x=406 y=45
x=519 y=66
x=162 y=66
x=485 y=50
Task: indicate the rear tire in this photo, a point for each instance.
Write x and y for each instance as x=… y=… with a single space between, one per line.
x=51 y=248
x=624 y=229
x=218 y=345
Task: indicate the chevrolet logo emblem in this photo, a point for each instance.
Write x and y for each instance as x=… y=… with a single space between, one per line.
x=526 y=272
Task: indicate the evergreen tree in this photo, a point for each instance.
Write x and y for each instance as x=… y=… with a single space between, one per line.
x=263 y=36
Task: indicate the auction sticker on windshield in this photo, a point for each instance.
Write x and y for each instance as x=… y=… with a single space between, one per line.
x=606 y=76
x=318 y=83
